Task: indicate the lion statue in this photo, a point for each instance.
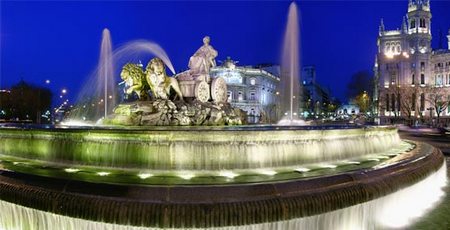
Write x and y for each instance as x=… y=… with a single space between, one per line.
x=158 y=81
x=134 y=78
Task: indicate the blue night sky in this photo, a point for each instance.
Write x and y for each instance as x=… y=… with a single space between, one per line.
x=60 y=41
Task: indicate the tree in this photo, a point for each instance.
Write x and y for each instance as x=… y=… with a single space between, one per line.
x=28 y=102
x=360 y=82
x=363 y=102
x=438 y=100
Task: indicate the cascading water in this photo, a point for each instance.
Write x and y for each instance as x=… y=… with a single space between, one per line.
x=397 y=210
x=290 y=86
x=188 y=150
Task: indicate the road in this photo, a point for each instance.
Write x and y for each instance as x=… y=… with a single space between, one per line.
x=439 y=140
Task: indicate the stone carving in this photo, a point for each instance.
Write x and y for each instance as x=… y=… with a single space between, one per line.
x=219 y=90
x=160 y=84
x=203 y=59
x=165 y=112
x=202 y=91
x=134 y=78
x=194 y=83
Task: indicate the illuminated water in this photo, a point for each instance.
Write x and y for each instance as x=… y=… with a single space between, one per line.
x=289 y=85
x=195 y=150
x=206 y=177
x=134 y=50
x=97 y=97
x=397 y=210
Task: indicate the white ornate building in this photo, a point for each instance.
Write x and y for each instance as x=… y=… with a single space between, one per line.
x=252 y=89
x=413 y=80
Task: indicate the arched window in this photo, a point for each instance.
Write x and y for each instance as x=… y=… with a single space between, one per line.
x=413 y=24
x=422 y=23
x=413 y=102
x=393 y=78
x=252 y=96
x=240 y=96
x=387 y=47
x=439 y=79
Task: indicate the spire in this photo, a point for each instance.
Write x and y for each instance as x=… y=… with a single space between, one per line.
x=404 y=25
x=376 y=62
x=448 y=39
x=381 y=30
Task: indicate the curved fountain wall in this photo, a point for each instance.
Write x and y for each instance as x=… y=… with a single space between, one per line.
x=195 y=149
x=218 y=206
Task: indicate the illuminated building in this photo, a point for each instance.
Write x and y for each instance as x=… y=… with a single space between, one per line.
x=315 y=99
x=252 y=89
x=413 y=80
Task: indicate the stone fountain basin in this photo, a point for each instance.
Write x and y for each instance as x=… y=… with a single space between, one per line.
x=194 y=148
x=218 y=205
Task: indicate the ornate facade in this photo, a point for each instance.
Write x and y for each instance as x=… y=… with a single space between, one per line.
x=413 y=80
x=252 y=89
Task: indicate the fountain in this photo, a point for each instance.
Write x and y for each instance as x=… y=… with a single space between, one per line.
x=289 y=84
x=99 y=89
x=166 y=163
x=88 y=111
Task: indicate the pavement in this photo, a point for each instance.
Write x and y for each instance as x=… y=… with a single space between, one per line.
x=434 y=137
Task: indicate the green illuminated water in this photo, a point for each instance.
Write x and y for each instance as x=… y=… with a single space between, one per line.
x=161 y=177
x=207 y=149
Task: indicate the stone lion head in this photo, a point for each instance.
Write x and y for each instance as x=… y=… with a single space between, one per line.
x=131 y=70
x=156 y=65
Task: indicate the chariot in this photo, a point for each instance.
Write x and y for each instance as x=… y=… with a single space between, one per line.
x=203 y=88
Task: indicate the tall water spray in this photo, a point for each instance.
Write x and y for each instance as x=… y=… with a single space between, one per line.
x=290 y=86
x=106 y=71
x=97 y=97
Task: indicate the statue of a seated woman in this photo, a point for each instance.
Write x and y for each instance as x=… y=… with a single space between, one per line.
x=203 y=59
